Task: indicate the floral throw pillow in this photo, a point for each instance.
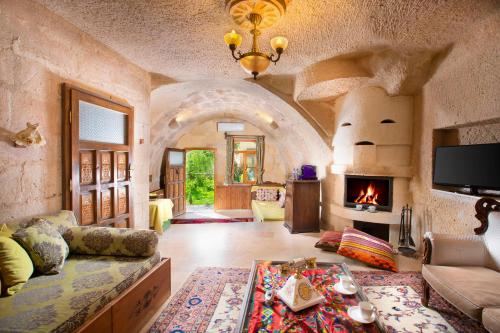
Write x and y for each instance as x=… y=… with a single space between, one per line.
x=61 y=221
x=111 y=241
x=45 y=246
x=267 y=194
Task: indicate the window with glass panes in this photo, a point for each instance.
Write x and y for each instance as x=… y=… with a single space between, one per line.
x=244 y=161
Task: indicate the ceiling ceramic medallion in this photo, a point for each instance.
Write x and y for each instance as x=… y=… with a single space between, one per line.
x=271 y=11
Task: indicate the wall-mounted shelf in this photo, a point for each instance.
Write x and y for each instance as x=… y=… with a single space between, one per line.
x=372 y=170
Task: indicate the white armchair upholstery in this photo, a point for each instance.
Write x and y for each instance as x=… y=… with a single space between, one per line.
x=451 y=250
x=465 y=270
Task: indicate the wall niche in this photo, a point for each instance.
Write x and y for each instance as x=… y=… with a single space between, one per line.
x=468 y=134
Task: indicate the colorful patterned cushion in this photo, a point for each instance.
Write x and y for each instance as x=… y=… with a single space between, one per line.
x=330 y=241
x=267 y=194
x=15 y=266
x=111 y=241
x=45 y=246
x=61 y=221
x=366 y=248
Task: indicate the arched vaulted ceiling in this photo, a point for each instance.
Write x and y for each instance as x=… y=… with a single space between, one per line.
x=176 y=108
x=335 y=46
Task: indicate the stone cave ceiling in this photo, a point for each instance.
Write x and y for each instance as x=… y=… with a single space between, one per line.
x=183 y=40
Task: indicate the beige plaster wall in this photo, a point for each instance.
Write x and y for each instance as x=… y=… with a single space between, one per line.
x=464 y=89
x=39 y=51
x=206 y=136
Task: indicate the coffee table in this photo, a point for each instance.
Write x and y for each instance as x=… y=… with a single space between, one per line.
x=332 y=313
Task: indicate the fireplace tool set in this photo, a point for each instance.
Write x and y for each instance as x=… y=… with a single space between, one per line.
x=406 y=243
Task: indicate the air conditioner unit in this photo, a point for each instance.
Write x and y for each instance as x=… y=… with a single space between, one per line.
x=230 y=127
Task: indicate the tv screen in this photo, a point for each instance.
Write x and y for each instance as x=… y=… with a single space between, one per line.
x=475 y=166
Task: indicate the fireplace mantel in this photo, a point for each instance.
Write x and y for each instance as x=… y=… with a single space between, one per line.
x=372 y=170
x=356 y=215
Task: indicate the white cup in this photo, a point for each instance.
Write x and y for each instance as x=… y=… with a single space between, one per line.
x=372 y=209
x=359 y=207
x=346 y=281
x=367 y=310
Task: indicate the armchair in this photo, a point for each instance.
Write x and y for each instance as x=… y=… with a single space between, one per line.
x=465 y=270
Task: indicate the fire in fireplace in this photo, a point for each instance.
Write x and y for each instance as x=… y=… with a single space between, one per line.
x=368 y=190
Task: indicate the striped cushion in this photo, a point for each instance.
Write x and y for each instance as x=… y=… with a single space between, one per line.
x=366 y=248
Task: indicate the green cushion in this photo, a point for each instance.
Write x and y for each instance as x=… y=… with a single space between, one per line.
x=15 y=266
x=111 y=241
x=45 y=246
x=61 y=221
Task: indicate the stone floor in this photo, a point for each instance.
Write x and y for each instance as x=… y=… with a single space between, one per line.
x=238 y=244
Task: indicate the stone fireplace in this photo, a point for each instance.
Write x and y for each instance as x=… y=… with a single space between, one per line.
x=371 y=161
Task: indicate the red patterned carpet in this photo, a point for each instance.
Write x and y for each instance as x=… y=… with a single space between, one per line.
x=211 y=299
x=209 y=220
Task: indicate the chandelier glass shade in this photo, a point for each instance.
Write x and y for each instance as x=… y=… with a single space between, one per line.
x=255 y=62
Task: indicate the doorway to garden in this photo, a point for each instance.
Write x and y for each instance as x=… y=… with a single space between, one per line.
x=200 y=179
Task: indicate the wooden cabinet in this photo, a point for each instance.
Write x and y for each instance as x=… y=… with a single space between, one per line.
x=302 y=206
x=232 y=197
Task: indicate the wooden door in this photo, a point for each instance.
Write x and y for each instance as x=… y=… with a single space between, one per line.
x=97 y=157
x=175 y=178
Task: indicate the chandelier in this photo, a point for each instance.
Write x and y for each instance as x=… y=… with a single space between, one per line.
x=255 y=15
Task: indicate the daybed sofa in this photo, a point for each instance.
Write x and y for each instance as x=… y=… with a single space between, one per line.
x=466 y=270
x=267 y=210
x=94 y=292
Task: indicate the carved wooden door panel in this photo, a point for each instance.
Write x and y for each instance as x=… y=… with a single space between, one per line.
x=97 y=156
x=175 y=179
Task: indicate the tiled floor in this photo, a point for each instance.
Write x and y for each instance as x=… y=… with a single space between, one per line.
x=238 y=244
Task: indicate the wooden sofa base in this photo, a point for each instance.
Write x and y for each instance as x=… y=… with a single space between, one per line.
x=134 y=307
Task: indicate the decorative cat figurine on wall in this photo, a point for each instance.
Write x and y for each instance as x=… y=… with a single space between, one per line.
x=30 y=136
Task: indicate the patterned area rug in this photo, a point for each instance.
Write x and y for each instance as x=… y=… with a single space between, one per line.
x=208 y=220
x=211 y=299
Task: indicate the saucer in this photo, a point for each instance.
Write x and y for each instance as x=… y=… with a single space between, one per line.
x=338 y=287
x=355 y=313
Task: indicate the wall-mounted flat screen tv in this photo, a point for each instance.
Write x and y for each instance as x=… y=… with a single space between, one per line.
x=474 y=166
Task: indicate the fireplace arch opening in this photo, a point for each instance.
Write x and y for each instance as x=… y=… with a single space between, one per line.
x=364 y=143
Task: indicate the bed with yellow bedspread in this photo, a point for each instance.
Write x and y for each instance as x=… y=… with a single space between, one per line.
x=267 y=210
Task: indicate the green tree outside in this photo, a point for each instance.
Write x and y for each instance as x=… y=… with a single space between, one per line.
x=200 y=177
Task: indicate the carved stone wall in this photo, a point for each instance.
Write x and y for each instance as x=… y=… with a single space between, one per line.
x=464 y=90
x=38 y=51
